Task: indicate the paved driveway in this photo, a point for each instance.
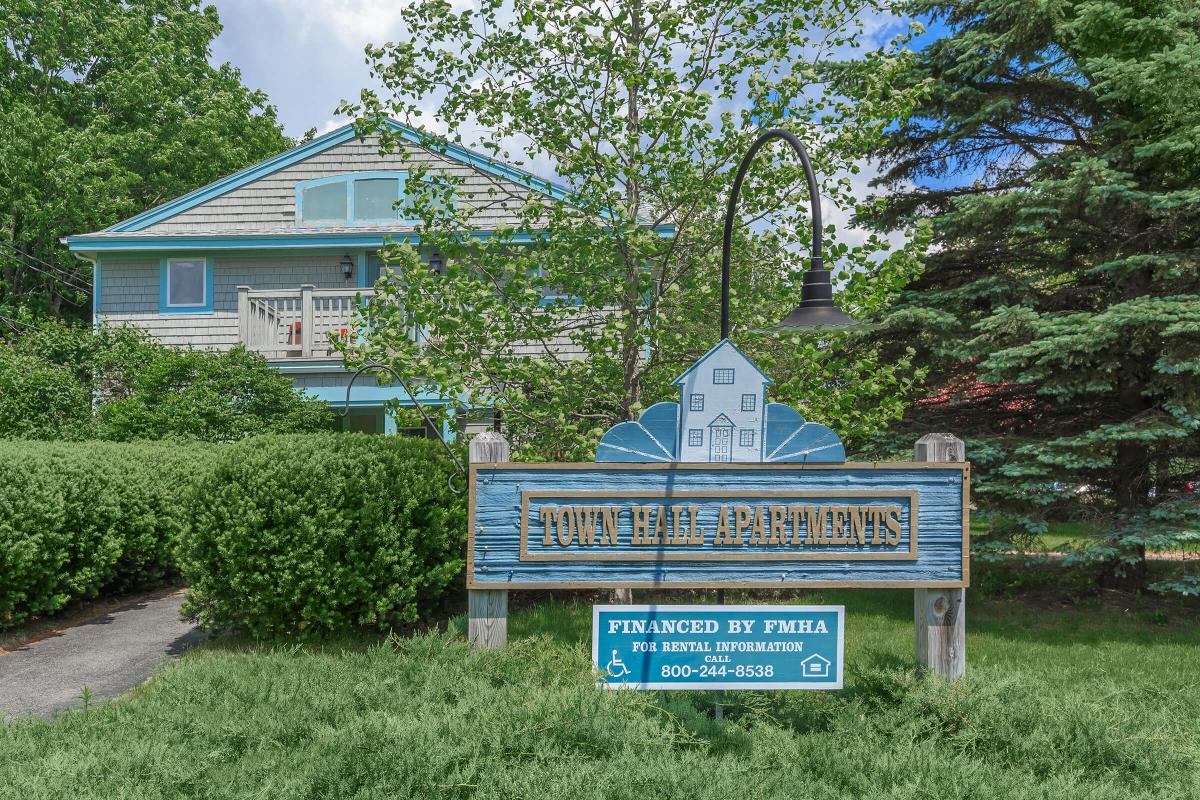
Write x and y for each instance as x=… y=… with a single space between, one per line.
x=110 y=655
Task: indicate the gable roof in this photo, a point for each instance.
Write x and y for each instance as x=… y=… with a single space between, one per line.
x=723 y=344
x=322 y=143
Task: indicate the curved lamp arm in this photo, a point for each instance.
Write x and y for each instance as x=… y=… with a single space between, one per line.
x=345 y=409
x=817 y=290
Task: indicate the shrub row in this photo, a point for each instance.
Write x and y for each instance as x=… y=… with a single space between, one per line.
x=322 y=533
x=78 y=518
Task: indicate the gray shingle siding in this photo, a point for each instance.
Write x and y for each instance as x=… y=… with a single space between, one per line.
x=129 y=294
x=269 y=203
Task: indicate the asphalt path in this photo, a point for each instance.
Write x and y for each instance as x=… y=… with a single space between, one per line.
x=109 y=655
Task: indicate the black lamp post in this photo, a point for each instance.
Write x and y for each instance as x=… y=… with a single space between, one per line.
x=816 y=309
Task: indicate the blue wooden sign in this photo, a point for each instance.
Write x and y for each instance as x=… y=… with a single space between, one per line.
x=721 y=489
x=718 y=647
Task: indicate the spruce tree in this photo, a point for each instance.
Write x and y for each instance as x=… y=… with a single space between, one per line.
x=1055 y=156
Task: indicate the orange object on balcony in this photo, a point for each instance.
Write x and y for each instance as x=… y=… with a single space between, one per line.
x=294 y=336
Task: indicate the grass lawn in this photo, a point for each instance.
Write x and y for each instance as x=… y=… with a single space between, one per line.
x=1089 y=701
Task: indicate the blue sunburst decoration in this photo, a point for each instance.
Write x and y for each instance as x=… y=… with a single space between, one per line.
x=722 y=415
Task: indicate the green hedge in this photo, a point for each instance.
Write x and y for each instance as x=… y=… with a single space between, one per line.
x=310 y=534
x=78 y=518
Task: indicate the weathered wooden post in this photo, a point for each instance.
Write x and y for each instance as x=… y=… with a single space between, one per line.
x=244 y=315
x=306 y=319
x=487 y=609
x=940 y=615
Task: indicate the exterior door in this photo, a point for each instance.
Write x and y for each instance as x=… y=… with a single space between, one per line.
x=719 y=442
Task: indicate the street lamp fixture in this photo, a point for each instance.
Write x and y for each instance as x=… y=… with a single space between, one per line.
x=816 y=309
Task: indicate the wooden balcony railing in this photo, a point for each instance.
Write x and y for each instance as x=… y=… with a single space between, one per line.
x=296 y=323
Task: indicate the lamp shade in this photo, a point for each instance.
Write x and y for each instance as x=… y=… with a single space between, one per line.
x=817 y=309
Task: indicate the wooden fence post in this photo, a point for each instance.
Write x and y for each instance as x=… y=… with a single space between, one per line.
x=487 y=609
x=940 y=615
x=306 y=319
x=244 y=315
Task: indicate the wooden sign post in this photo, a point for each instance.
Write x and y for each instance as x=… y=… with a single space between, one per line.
x=724 y=490
x=487 y=609
x=940 y=615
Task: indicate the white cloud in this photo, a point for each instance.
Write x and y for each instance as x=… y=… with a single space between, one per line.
x=348 y=23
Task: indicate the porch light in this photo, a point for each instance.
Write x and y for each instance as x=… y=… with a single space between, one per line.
x=816 y=309
x=347 y=267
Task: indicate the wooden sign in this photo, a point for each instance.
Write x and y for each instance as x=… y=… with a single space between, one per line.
x=721 y=489
x=709 y=525
x=718 y=647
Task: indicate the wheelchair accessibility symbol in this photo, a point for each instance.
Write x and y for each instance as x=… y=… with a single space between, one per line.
x=616 y=667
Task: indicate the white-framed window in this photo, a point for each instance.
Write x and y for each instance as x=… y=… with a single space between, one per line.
x=695 y=437
x=696 y=402
x=722 y=375
x=749 y=402
x=186 y=283
x=746 y=437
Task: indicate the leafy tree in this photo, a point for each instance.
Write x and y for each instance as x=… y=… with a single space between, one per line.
x=60 y=381
x=109 y=107
x=1059 y=310
x=215 y=397
x=643 y=107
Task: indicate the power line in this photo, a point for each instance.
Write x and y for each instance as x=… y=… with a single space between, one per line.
x=17 y=326
x=66 y=274
x=51 y=275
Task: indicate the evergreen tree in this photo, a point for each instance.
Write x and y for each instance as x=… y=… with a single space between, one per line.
x=1059 y=310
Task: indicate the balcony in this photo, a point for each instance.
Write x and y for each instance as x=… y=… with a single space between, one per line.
x=296 y=323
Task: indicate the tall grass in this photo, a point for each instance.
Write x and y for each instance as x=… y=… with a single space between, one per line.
x=1058 y=703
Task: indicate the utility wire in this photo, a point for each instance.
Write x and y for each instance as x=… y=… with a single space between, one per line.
x=12 y=323
x=50 y=275
x=64 y=272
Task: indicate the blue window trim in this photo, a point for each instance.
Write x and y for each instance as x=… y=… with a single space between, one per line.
x=695 y=437
x=732 y=376
x=692 y=404
x=743 y=435
x=348 y=178
x=206 y=307
x=752 y=400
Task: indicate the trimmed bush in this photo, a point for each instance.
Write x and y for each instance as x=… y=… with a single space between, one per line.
x=78 y=518
x=322 y=533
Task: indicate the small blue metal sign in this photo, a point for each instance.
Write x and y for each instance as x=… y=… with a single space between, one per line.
x=718 y=647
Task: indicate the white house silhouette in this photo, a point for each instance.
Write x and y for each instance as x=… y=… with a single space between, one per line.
x=722 y=407
x=815 y=666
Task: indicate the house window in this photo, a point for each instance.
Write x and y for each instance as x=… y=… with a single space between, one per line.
x=375 y=198
x=695 y=437
x=722 y=376
x=325 y=203
x=358 y=198
x=748 y=402
x=697 y=402
x=186 y=285
x=746 y=437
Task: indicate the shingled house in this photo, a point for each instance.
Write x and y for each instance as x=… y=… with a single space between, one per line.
x=277 y=256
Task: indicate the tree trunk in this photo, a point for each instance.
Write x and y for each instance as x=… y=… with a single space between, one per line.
x=632 y=336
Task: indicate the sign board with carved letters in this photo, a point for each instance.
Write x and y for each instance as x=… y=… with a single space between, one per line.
x=721 y=489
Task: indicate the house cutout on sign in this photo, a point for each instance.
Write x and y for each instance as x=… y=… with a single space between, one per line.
x=815 y=666
x=722 y=415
